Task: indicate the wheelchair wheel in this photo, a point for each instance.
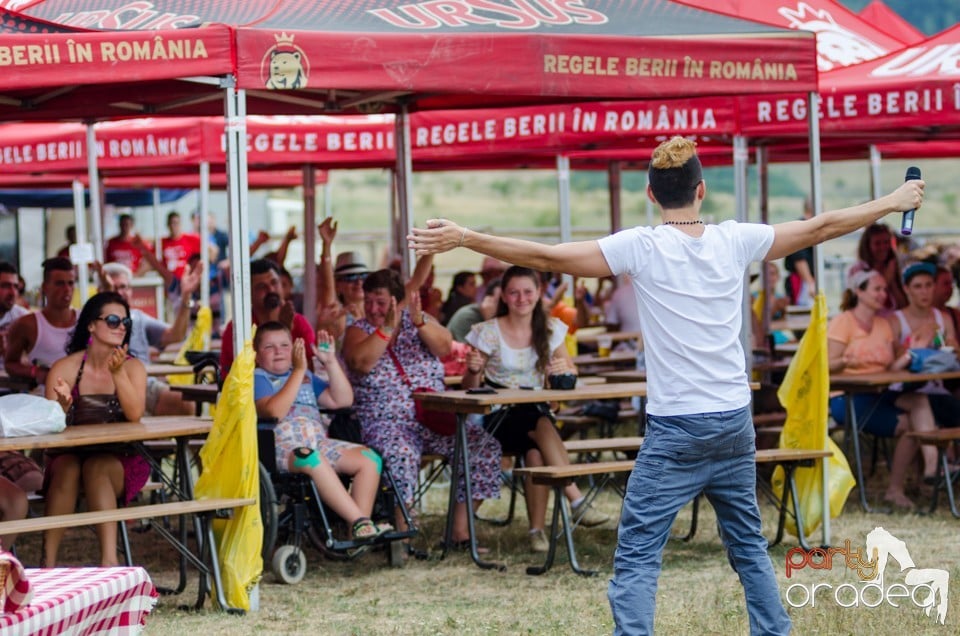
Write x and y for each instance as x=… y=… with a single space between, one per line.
x=289 y=564
x=268 y=513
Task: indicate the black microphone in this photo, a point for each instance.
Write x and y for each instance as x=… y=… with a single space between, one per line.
x=906 y=225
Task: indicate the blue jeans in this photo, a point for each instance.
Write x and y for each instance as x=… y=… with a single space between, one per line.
x=682 y=456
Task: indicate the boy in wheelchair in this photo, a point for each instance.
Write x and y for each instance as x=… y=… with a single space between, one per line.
x=285 y=389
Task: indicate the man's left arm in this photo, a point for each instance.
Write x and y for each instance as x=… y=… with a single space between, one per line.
x=796 y=235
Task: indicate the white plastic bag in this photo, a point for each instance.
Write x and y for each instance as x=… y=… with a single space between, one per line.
x=23 y=414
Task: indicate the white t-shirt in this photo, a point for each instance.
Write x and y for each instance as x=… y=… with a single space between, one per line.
x=690 y=297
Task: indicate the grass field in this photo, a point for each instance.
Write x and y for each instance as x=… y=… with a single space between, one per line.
x=699 y=593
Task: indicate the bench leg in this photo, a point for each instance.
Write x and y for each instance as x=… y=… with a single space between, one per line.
x=853 y=433
x=125 y=543
x=560 y=515
x=946 y=480
x=797 y=514
x=514 y=483
x=461 y=461
x=694 y=514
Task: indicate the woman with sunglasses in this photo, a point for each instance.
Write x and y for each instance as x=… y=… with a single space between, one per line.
x=98 y=381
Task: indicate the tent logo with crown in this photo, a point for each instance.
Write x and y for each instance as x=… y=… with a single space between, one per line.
x=837 y=46
x=284 y=66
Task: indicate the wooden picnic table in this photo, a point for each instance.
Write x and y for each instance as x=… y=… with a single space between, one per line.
x=463 y=403
x=852 y=383
x=72 y=600
x=179 y=428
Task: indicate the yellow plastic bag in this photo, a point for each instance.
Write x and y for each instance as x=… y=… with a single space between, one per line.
x=231 y=469
x=805 y=394
x=197 y=340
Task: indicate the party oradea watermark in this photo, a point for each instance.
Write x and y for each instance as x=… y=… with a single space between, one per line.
x=923 y=588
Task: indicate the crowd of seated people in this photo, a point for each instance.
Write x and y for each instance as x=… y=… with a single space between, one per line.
x=377 y=337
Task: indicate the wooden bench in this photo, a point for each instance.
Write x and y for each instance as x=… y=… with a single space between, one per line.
x=587 y=450
x=202 y=511
x=213 y=507
x=604 y=445
x=941 y=438
x=557 y=477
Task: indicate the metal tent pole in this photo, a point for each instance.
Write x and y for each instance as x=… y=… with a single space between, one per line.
x=816 y=198
x=236 y=134
x=310 y=243
x=204 y=216
x=404 y=190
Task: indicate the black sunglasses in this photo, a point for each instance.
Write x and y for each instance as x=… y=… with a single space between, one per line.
x=113 y=321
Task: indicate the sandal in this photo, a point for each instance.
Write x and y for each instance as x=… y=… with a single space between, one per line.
x=365 y=530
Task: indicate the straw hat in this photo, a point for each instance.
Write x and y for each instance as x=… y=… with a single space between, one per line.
x=348 y=264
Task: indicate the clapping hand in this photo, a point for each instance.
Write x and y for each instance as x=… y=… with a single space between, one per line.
x=332 y=318
x=474 y=361
x=414 y=306
x=392 y=320
x=299 y=355
x=326 y=348
x=62 y=389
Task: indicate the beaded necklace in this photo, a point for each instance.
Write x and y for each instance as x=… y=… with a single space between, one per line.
x=697 y=222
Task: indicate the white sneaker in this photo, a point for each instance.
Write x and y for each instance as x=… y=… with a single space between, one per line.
x=539 y=541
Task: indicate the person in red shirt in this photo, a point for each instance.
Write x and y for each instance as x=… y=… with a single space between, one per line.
x=177 y=248
x=124 y=248
x=267 y=305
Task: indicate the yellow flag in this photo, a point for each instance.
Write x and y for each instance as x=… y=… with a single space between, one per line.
x=804 y=394
x=198 y=340
x=231 y=469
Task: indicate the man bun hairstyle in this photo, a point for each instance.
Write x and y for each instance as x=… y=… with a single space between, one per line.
x=674 y=173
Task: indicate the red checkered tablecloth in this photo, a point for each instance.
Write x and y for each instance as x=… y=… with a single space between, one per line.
x=83 y=601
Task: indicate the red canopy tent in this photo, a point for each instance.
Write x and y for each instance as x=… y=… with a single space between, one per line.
x=911 y=94
x=161 y=145
x=292 y=56
x=843 y=37
x=889 y=21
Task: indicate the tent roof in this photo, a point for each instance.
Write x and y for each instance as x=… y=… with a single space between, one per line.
x=366 y=54
x=910 y=93
x=889 y=21
x=843 y=37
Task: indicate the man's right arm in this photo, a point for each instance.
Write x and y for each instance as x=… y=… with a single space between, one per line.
x=20 y=338
x=579 y=258
x=793 y=236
